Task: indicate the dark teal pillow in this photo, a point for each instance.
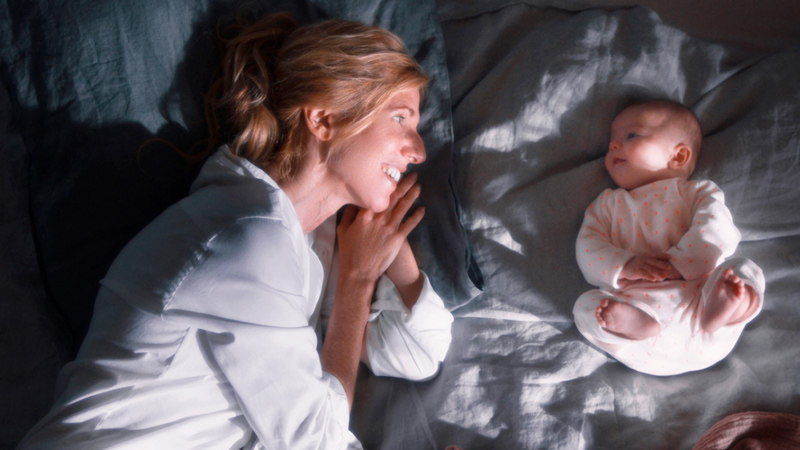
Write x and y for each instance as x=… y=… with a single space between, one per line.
x=90 y=82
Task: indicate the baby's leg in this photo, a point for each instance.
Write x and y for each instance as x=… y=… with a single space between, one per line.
x=728 y=301
x=625 y=320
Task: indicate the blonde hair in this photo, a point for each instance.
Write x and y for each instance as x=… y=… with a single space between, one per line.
x=273 y=69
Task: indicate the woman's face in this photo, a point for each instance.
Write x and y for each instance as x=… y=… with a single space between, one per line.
x=370 y=163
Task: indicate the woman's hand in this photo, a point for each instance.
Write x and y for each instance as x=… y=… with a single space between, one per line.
x=370 y=242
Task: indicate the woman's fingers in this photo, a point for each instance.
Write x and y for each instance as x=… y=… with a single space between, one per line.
x=370 y=241
x=405 y=184
x=401 y=189
x=404 y=204
x=412 y=222
x=349 y=215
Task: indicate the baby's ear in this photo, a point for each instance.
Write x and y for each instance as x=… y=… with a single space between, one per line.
x=680 y=157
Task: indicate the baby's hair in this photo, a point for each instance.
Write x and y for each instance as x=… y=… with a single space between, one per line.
x=684 y=120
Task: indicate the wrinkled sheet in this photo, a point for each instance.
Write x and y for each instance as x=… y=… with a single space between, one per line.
x=533 y=93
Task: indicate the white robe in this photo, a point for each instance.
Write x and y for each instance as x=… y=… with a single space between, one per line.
x=206 y=328
x=687 y=220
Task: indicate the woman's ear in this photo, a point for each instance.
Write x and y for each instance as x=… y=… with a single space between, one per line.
x=681 y=157
x=318 y=122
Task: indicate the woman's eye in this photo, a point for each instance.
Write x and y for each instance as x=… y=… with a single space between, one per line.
x=631 y=136
x=398 y=119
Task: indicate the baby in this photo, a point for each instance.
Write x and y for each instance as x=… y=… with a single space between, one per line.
x=668 y=301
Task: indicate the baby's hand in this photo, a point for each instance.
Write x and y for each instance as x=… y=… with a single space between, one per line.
x=649 y=267
x=673 y=273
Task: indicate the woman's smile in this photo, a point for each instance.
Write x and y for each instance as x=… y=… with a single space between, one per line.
x=393 y=173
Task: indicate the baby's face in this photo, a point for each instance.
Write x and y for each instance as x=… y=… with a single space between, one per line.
x=642 y=143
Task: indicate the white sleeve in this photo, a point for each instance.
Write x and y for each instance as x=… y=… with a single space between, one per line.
x=711 y=237
x=403 y=343
x=246 y=295
x=600 y=260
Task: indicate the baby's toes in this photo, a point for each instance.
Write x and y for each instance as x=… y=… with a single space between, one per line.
x=607 y=318
x=727 y=275
x=739 y=288
x=598 y=313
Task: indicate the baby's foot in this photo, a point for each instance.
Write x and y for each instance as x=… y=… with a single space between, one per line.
x=625 y=320
x=729 y=300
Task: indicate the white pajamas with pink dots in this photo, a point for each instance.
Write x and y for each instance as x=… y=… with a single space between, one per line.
x=687 y=220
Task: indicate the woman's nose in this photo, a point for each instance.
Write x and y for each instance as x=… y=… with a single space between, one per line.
x=415 y=151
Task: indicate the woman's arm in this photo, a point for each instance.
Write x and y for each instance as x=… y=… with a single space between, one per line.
x=368 y=244
x=406 y=276
x=344 y=338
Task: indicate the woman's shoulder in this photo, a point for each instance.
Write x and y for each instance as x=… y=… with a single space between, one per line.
x=230 y=188
x=240 y=221
x=217 y=207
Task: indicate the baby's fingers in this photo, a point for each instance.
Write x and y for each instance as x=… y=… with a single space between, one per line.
x=652 y=273
x=660 y=273
x=660 y=261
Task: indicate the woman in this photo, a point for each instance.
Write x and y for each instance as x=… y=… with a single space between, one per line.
x=205 y=330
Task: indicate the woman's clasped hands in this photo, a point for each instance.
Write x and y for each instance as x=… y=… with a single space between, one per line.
x=374 y=243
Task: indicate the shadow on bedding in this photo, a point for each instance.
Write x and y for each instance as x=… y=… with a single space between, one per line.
x=525 y=220
x=81 y=190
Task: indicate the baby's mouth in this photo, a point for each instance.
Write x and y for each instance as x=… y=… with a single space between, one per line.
x=392 y=173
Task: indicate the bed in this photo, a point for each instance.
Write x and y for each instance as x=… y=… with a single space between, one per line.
x=515 y=125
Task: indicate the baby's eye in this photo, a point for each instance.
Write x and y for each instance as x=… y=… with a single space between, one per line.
x=398 y=119
x=631 y=136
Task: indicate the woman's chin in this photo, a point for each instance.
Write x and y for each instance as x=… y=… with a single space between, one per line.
x=381 y=200
x=379 y=207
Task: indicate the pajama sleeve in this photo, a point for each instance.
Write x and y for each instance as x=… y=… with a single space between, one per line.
x=245 y=295
x=597 y=249
x=711 y=237
x=407 y=343
x=400 y=342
